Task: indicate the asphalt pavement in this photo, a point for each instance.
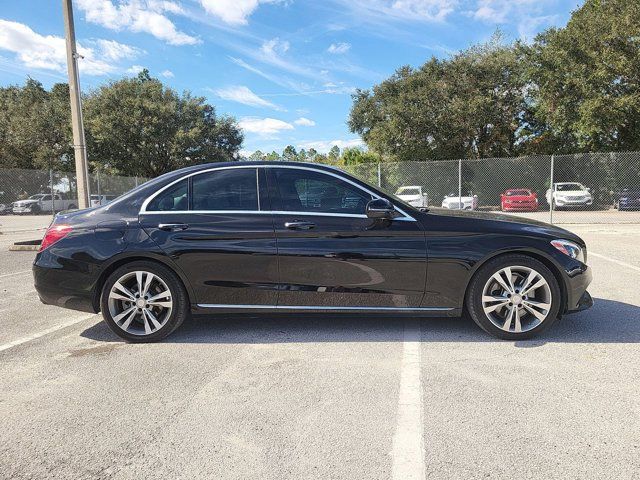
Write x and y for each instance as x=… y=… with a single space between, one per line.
x=293 y=397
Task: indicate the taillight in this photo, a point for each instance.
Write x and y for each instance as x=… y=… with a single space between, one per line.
x=55 y=233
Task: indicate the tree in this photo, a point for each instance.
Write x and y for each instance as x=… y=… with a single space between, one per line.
x=289 y=154
x=137 y=126
x=35 y=127
x=257 y=155
x=355 y=156
x=585 y=81
x=467 y=106
x=334 y=153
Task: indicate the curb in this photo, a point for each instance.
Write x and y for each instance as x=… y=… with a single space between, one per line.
x=25 y=246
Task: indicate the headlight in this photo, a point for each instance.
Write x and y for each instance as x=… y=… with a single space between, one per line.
x=569 y=248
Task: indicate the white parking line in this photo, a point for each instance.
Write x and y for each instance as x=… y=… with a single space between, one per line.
x=613 y=260
x=408 y=444
x=15 y=273
x=42 y=333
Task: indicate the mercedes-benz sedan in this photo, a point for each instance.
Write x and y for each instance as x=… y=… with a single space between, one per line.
x=292 y=237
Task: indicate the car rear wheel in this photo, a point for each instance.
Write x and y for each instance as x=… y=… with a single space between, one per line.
x=143 y=302
x=514 y=297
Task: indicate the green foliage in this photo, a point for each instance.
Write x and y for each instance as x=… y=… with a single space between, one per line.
x=465 y=107
x=134 y=126
x=137 y=126
x=357 y=156
x=575 y=89
x=586 y=81
x=35 y=126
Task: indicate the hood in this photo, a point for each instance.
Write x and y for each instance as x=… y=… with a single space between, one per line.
x=506 y=223
x=404 y=196
x=519 y=197
x=573 y=193
x=25 y=202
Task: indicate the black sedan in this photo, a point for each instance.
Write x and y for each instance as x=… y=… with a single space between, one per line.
x=292 y=237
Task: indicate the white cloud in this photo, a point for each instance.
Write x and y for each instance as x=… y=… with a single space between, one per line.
x=138 y=16
x=265 y=127
x=243 y=95
x=304 y=122
x=274 y=47
x=233 y=12
x=323 y=146
x=167 y=74
x=434 y=10
x=134 y=69
x=339 y=48
x=524 y=13
x=48 y=52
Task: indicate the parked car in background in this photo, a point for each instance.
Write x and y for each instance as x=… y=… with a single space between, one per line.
x=413 y=195
x=569 y=194
x=42 y=202
x=454 y=202
x=98 y=200
x=5 y=209
x=627 y=199
x=518 y=200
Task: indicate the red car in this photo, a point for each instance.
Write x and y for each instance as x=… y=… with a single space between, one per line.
x=519 y=199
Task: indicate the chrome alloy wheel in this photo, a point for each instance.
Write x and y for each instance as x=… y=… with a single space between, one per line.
x=140 y=303
x=516 y=299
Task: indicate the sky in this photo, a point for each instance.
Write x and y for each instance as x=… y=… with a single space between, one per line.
x=285 y=69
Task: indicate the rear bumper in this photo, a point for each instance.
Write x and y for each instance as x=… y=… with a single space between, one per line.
x=64 y=288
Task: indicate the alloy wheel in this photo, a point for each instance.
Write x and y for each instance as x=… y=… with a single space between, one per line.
x=516 y=299
x=140 y=303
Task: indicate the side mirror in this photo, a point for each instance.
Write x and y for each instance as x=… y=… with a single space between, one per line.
x=380 y=208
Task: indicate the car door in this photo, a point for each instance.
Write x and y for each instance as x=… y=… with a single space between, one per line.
x=331 y=255
x=216 y=227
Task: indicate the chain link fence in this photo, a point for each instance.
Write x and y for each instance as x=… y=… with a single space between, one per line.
x=578 y=188
x=44 y=192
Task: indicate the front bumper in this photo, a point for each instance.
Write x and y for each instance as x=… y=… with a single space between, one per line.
x=574 y=203
x=577 y=281
x=18 y=210
x=519 y=207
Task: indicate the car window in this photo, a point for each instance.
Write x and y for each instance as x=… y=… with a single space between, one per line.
x=568 y=187
x=172 y=199
x=228 y=189
x=513 y=193
x=308 y=191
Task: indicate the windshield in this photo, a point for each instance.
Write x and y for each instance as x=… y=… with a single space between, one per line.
x=570 y=187
x=513 y=193
x=36 y=197
x=408 y=191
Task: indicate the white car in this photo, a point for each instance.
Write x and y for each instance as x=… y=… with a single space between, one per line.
x=41 y=202
x=454 y=202
x=413 y=195
x=569 y=194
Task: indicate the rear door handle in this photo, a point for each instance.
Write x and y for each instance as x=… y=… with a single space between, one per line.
x=299 y=225
x=173 y=227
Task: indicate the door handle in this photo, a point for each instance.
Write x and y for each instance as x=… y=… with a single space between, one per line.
x=299 y=225
x=172 y=227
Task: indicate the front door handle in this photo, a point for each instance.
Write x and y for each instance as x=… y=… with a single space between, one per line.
x=299 y=225
x=173 y=227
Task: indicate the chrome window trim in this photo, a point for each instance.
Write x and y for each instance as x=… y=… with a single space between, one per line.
x=143 y=209
x=320 y=307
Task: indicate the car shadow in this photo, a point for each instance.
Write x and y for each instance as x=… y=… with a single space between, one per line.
x=607 y=321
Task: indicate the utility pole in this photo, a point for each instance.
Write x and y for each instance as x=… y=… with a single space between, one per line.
x=79 y=146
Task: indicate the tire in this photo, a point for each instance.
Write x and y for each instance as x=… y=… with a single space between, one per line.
x=152 y=321
x=545 y=300
x=35 y=210
x=72 y=206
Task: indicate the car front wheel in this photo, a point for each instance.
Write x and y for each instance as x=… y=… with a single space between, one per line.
x=514 y=297
x=143 y=302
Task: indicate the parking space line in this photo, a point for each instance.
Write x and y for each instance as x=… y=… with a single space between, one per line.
x=14 y=273
x=613 y=260
x=408 y=443
x=42 y=333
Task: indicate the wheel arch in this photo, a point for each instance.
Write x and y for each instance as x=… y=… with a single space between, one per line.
x=129 y=257
x=535 y=254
